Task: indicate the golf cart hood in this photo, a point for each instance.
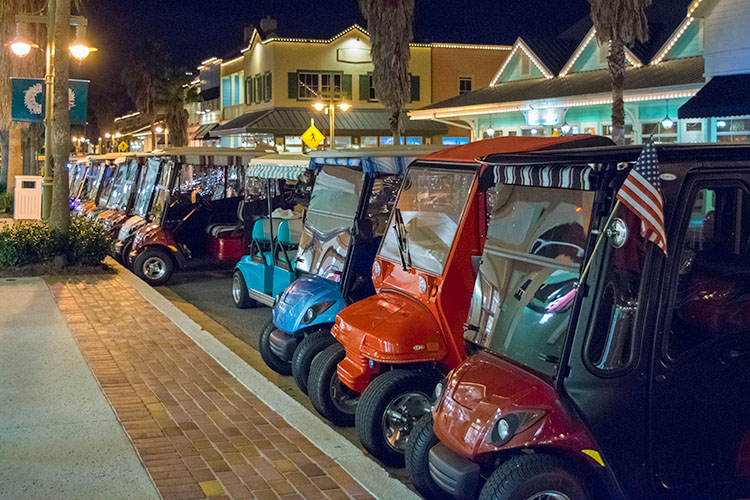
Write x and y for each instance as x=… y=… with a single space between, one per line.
x=390 y=327
x=305 y=293
x=486 y=388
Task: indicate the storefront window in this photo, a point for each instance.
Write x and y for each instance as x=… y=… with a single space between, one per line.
x=344 y=141
x=607 y=131
x=735 y=130
x=659 y=131
x=369 y=141
x=454 y=141
x=414 y=141
x=533 y=132
x=293 y=144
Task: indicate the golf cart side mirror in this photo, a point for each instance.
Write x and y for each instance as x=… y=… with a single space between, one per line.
x=617 y=233
x=363 y=229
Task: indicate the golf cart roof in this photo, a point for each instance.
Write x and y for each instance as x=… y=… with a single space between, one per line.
x=107 y=156
x=382 y=160
x=474 y=151
x=622 y=154
x=213 y=156
x=286 y=166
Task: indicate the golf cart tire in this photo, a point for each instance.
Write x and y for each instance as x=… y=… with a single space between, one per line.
x=523 y=476
x=124 y=257
x=244 y=301
x=417 y=455
x=312 y=344
x=264 y=346
x=322 y=370
x=378 y=395
x=154 y=253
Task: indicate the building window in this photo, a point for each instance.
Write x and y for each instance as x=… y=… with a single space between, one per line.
x=607 y=131
x=315 y=85
x=269 y=87
x=369 y=141
x=413 y=141
x=293 y=144
x=464 y=85
x=735 y=130
x=533 y=132
x=343 y=141
x=661 y=133
x=249 y=90
x=525 y=63
x=454 y=141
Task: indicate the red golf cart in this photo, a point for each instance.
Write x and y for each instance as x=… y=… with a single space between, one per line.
x=633 y=385
x=396 y=345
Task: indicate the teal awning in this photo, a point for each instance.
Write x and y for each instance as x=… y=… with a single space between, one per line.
x=278 y=167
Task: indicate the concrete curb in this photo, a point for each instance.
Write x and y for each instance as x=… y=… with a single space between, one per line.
x=363 y=469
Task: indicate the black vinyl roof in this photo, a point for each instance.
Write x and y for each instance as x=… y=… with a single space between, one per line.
x=554 y=53
x=666 y=153
x=688 y=70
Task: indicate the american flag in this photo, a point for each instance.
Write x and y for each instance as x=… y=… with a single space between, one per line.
x=641 y=193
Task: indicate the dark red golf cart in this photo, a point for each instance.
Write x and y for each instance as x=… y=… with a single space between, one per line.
x=635 y=383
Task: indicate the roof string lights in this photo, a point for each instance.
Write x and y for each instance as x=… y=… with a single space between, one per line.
x=526 y=50
x=632 y=58
x=673 y=40
x=484 y=109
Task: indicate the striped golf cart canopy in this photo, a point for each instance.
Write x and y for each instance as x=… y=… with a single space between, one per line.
x=286 y=166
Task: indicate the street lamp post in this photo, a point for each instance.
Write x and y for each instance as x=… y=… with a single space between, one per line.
x=328 y=102
x=79 y=49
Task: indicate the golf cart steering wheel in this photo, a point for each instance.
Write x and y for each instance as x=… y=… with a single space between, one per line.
x=201 y=200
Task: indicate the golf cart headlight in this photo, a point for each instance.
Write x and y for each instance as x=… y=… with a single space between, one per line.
x=314 y=311
x=439 y=388
x=512 y=424
x=422 y=284
x=376 y=268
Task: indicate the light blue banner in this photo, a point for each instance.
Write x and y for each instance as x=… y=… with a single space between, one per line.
x=28 y=100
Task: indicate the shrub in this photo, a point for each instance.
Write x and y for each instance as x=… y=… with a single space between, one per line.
x=6 y=203
x=33 y=243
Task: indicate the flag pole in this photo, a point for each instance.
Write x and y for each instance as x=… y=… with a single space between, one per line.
x=599 y=239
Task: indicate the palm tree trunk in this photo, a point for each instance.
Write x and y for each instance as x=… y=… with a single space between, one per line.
x=394 y=123
x=5 y=152
x=60 y=213
x=616 y=61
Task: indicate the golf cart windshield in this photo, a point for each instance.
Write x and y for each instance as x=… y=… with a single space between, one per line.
x=426 y=217
x=326 y=234
x=123 y=186
x=109 y=185
x=146 y=185
x=532 y=259
x=161 y=192
x=80 y=175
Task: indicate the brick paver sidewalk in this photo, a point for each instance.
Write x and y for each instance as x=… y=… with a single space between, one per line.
x=198 y=430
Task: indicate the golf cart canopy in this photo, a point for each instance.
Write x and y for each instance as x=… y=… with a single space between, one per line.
x=383 y=160
x=212 y=156
x=288 y=166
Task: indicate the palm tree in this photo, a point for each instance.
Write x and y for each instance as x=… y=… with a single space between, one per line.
x=619 y=23
x=59 y=219
x=391 y=27
x=172 y=94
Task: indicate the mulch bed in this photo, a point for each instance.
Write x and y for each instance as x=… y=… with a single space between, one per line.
x=48 y=269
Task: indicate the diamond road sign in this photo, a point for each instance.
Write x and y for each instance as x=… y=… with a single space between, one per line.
x=312 y=137
x=123 y=147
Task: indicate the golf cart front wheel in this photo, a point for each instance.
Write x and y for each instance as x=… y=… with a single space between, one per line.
x=154 y=266
x=274 y=362
x=421 y=441
x=311 y=346
x=388 y=410
x=535 y=477
x=328 y=395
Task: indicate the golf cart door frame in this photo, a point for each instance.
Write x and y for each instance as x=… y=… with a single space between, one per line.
x=700 y=397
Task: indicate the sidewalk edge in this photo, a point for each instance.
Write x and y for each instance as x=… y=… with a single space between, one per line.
x=370 y=475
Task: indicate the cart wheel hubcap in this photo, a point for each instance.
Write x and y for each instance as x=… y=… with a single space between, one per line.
x=343 y=398
x=236 y=289
x=400 y=416
x=549 y=495
x=154 y=268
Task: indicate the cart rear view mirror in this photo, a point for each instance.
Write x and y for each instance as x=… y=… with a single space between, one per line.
x=617 y=233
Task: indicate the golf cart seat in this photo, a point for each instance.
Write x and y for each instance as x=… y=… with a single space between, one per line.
x=286 y=243
x=216 y=228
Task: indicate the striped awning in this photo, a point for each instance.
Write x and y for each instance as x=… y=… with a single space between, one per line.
x=369 y=164
x=277 y=169
x=552 y=176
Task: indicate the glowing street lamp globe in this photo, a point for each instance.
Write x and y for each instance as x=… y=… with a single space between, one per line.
x=318 y=106
x=80 y=50
x=20 y=48
x=344 y=106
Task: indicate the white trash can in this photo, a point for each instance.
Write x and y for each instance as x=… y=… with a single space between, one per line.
x=27 y=198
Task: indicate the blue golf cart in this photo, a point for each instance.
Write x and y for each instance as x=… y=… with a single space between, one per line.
x=349 y=209
x=279 y=183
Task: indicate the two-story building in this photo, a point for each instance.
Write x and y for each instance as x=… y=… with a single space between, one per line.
x=561 y=86
x=267 y=91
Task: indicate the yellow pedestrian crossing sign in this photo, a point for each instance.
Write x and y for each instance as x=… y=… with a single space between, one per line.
x=123 y=147
x=312 y=137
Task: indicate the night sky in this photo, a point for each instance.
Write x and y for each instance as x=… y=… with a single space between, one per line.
x=193 y=31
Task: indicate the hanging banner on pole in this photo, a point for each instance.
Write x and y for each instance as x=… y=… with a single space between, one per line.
x=27 y=103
